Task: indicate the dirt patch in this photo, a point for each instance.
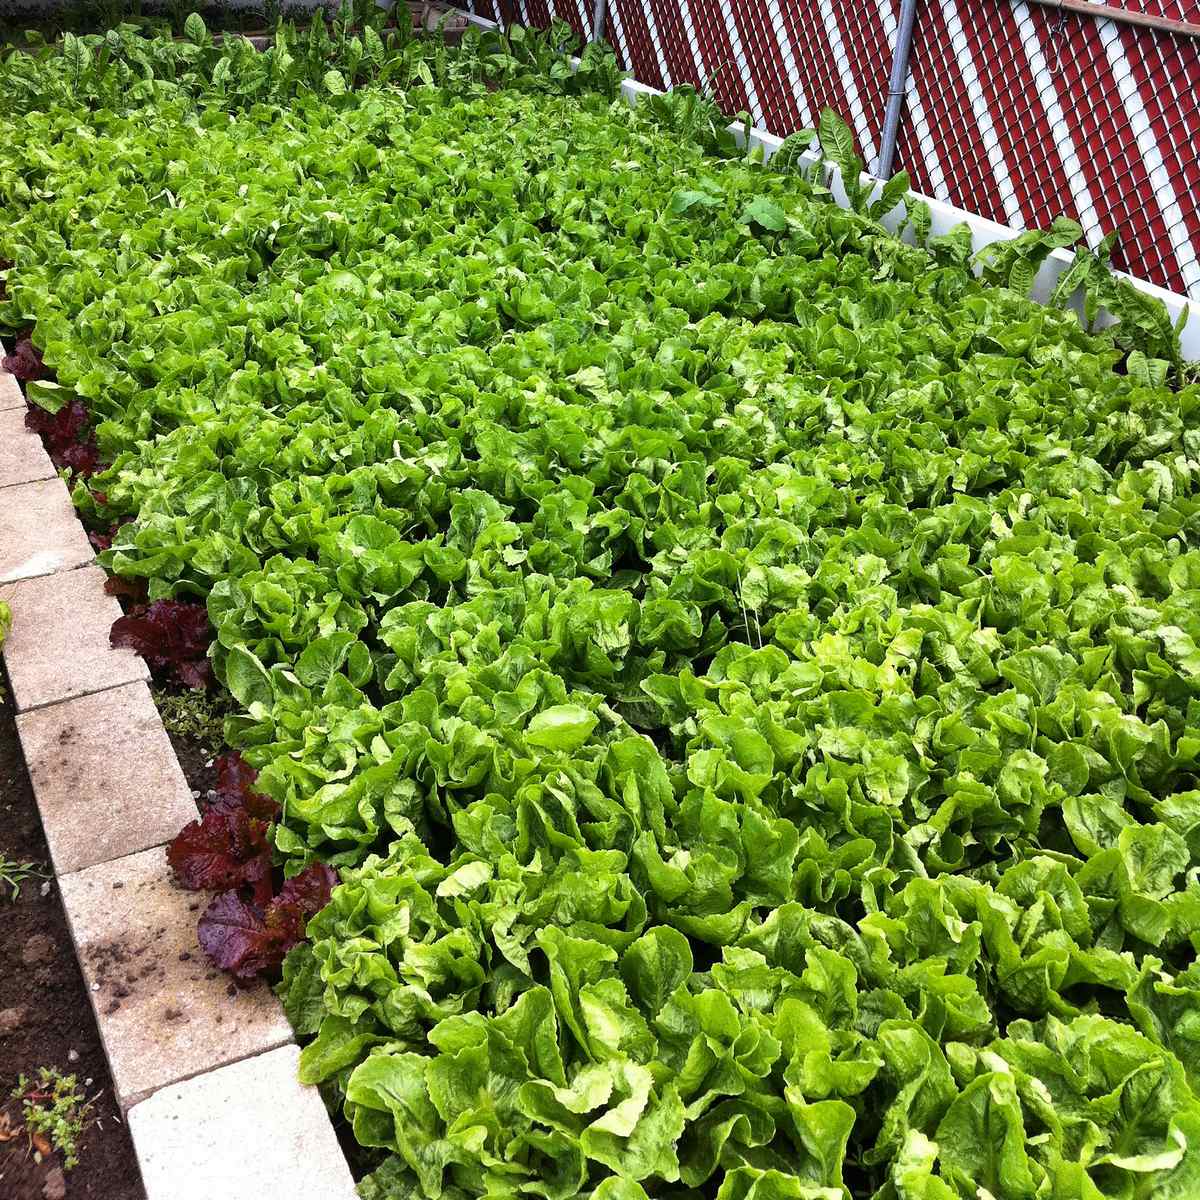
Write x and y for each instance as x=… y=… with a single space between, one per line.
x=196 y=759
x=193 y=721
x=121 y=967
x=45 y=1017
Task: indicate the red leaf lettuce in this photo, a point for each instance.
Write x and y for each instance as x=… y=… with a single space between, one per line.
x=247 y=938
x=172 y=636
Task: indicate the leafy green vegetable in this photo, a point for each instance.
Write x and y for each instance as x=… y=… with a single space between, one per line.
x=744 y=668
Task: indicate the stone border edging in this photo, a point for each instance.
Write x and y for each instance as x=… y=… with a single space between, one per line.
x=204 y=1071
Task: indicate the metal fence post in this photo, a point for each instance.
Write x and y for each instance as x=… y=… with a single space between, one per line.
x=896 y=88
x=599 y=15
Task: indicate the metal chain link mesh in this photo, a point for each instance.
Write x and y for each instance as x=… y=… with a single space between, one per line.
x=1013 y=110
x=1035 y=112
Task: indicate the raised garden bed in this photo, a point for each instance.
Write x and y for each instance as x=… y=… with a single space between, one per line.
x=738 y=667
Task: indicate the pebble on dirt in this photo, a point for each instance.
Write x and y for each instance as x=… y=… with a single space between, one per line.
x=55 y=1187
x=38 y=949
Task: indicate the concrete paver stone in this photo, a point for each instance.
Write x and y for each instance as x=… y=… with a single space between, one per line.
x=10 y=391
x=39 y=531
x=22 y=458
x=59 y=647
x=245 y=1132
x=105 y=776
x=165 y=1013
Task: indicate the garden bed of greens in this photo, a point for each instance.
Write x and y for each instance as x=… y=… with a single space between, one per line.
x=715 y=685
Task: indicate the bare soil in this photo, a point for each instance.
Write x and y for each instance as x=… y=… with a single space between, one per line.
x=196 y=759
x=46 y=1019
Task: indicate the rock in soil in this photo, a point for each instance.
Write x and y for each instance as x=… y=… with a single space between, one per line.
x=11 y=1019
x=55 y=1187
x=39 y=949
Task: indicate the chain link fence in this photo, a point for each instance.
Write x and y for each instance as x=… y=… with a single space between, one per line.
x=1018 y=111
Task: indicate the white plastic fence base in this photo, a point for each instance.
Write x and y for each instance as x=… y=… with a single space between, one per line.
x=946 y=217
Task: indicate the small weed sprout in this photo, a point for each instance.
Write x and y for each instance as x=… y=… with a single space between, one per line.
x=53 y=1105
x=195 y=714
x=13 y=874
